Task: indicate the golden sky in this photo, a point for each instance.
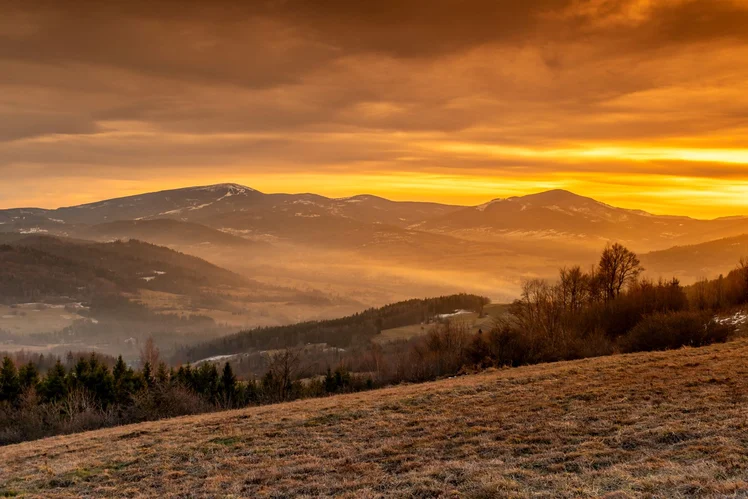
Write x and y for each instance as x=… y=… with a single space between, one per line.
x=638 y=103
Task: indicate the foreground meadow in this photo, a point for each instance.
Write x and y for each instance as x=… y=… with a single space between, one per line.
x=668 y=424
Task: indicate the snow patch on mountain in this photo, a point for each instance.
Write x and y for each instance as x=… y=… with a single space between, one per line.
x=484 y=206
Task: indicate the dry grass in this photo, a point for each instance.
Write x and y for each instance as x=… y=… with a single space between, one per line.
x=30 y=319
x=472 y=321
x=671 y=424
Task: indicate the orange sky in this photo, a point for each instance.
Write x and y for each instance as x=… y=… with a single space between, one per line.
x=641 y=104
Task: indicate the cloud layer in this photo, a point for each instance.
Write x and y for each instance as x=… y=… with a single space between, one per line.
x=642 y=103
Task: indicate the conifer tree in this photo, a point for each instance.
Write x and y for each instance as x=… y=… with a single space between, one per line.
x=28 y=376
x=227 y=385
x=10 y=385
x=54 y=386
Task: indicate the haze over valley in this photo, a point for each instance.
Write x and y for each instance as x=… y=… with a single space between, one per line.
x=243 y=259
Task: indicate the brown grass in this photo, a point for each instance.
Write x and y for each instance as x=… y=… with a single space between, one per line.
x=669 y=424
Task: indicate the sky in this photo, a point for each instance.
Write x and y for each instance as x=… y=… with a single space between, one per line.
x=637 y=103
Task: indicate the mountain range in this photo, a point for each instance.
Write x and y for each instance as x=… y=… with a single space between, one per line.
x=381 y=245
x=232 y=209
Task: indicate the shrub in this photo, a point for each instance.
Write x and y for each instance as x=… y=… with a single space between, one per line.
x=673 y=330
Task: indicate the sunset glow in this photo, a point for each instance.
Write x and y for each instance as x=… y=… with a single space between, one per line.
x=639 y=104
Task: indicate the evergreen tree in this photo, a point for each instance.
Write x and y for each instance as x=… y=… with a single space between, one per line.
x=162 y=374
x=120 y=370
x=54 y=387
x=330 y=385
x=227 y=385
x=10 y=385
x=28 y=375
x=148 y=375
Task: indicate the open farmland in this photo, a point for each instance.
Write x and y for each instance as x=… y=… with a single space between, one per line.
x=30 y=318
x=667 y=424
x=472 y=321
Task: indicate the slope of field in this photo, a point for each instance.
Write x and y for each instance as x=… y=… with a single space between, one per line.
x=670 y=424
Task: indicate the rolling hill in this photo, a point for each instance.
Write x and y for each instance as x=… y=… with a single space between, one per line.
x=666 y=424
x=166 y=232
x=563 y=216
x=357 y=329
x=45 y=268
x=693 y=262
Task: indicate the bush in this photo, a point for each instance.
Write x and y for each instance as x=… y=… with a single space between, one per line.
x=673 y=330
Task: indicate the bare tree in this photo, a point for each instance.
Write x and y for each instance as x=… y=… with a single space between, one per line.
x=618 y=266
x=575 y=288
x=283 y=368
x=150 y=353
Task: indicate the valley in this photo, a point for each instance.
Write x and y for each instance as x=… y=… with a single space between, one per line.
x=276 y=259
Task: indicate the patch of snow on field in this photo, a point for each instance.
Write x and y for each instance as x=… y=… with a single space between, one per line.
x=736 y=319
x=159 y=272
x=453 y=314
x=148 y=279
x=216 y=358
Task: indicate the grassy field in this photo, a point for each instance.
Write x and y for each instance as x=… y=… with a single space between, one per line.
x=472 y=321
x=672 y=424
x=33 y=318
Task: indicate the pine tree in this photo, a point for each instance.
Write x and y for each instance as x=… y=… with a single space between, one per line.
x=120 y=370
x=227 y=385
x=330 y=385
x=10 y=385
x=28 y=375
x=148 y=375
x=162 y=374
x=54 y=387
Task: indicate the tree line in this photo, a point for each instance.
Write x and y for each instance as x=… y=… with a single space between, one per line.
x=91 y=395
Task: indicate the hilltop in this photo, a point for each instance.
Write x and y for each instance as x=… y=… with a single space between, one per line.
x=654 y=424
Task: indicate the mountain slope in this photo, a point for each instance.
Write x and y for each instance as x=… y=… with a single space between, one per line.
x=560 y=214
x=164 y=232
x=657 y=424
x=196 y=204
x=693 y=262
x=555 y=215
x=45 y=268
x=359 y=328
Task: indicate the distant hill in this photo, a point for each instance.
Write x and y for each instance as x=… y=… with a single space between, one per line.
x=355 y=329
x=42 y=268
x=200 y=204
x=165 y=232
x=562 y=215
x=693 y=262
x=359 y=221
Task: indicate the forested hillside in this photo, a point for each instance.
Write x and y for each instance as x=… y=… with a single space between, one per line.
x=45 y=268
x=355 y=329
